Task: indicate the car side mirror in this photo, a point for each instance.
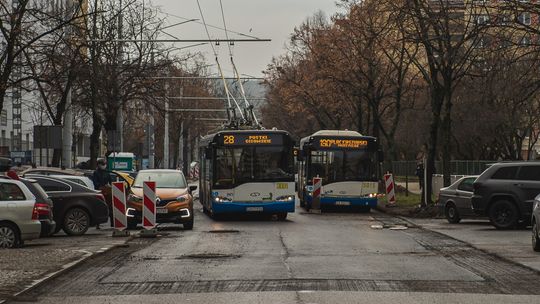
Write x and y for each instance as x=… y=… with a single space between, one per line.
x=192 y=188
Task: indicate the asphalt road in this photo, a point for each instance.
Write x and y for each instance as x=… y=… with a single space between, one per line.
x=328 y=258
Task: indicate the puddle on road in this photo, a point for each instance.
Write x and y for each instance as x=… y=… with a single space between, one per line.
x=208 y=256
x=224 y=231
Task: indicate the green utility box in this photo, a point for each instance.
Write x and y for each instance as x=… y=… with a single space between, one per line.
x=121 y=161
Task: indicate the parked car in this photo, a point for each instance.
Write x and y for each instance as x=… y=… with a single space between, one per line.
x=174 y=202
x=535 y=220
x=505 y=193
x=50 y=171
x=44 y=206
x=76 y=208
x=81 y=180
x=19 y=215
x=455 y=200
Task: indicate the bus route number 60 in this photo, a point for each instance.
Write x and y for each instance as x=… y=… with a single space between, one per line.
x=228 y=140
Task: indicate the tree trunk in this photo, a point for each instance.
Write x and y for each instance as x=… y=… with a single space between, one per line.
x=437 y=98
x=447 y=138
x=94 y=141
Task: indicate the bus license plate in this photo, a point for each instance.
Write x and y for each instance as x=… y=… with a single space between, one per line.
x=343 y=203
x=254 y=209
x=161 y=210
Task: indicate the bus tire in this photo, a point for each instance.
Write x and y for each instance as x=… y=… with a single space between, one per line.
x=282 y=216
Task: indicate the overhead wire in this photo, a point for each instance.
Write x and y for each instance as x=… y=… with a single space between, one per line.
x=228 y=93
x=235 y=70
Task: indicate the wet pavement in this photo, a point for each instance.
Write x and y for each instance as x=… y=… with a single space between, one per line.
x=38 y=259
x=329 y=258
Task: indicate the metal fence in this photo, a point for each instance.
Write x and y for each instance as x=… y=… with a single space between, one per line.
x=457 y=167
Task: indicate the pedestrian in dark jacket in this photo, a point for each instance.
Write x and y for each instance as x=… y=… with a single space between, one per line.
x=102 y=181
x=101 y=176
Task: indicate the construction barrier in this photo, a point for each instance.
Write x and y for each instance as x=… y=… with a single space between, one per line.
x=390 y=189
x=119 y=209
x=317 y=188
x=149 y=205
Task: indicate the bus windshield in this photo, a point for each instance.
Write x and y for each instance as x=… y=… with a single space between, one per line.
x=240 y=165
x=343 y=165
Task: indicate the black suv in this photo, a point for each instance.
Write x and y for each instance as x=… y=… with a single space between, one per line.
x=505 y=193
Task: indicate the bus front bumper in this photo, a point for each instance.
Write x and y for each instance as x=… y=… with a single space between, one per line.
x=251 y=207
x=370 y=202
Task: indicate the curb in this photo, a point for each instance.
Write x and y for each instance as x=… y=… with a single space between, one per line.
x=63 y=269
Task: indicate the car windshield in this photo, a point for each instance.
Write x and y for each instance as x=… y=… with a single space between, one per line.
x=163 y=179
x=343 y=165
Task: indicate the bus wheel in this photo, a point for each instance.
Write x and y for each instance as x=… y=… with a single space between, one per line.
x=282 y=216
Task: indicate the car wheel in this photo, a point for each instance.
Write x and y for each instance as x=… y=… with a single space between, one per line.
x=188 y=225
x=9 y=236
x=76 y=221
x=451 y=213
x=535 y=238
x=282 y=216
x=503 y=214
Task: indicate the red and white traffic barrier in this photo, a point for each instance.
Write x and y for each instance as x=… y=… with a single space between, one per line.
x=119 y=205
x=390 y=189
x=317 y=188
x=149 y=205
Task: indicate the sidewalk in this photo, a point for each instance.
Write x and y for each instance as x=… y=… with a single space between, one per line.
x=38 y=259
x=514 y=244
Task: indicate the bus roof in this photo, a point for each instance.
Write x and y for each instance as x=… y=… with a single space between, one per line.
x=346 y=133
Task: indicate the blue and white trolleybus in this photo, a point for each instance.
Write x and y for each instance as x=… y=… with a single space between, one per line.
x=247 y=171
x=348 y=164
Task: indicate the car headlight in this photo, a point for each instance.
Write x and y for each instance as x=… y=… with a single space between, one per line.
x=182 y=198
x=221 y=199
x=134 y=198
x=285 y=198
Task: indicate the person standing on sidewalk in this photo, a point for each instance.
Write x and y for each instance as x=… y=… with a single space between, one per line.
x=102 y=181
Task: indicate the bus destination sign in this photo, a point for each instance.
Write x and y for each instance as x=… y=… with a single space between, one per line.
x=342 y=143
x=252 y=139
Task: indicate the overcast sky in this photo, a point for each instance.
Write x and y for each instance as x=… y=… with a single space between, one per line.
x=273 y=19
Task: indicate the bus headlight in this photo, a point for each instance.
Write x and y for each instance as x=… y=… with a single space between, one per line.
x=221 y=199
x=371 y=195
x=285 y=198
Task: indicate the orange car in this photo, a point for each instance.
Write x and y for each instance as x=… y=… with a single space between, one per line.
x=174 y=203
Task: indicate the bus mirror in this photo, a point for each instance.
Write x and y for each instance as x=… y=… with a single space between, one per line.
x=380 y=156
x=208 y=153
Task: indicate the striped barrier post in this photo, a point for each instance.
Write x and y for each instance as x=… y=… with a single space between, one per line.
x=119 y=209
x=390 y=190
x=149 y=209
x=316 y=201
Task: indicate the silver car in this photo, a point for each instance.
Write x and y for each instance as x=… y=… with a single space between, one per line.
x=535 y=221
x=19 y=217
x=455 y=200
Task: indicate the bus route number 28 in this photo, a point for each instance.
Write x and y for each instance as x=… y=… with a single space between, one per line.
x=228 y=140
